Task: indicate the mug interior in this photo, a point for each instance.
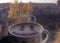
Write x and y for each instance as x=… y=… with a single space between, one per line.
x=25 y=29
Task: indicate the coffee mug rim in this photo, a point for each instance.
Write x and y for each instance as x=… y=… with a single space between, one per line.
x=25 y=36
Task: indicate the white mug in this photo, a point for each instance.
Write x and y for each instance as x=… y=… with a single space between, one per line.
x=29 y=32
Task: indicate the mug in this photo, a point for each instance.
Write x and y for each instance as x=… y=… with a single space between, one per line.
x=28 y=32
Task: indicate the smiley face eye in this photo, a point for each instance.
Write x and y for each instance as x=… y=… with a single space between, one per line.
x=22 y=28
x=32 y=28
x=32 y=19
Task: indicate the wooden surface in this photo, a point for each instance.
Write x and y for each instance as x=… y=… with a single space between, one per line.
x=57 y=37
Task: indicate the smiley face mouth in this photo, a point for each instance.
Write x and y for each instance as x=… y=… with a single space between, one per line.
x=30 y=34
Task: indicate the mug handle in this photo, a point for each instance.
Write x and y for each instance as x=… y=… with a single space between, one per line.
x=47 y=36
